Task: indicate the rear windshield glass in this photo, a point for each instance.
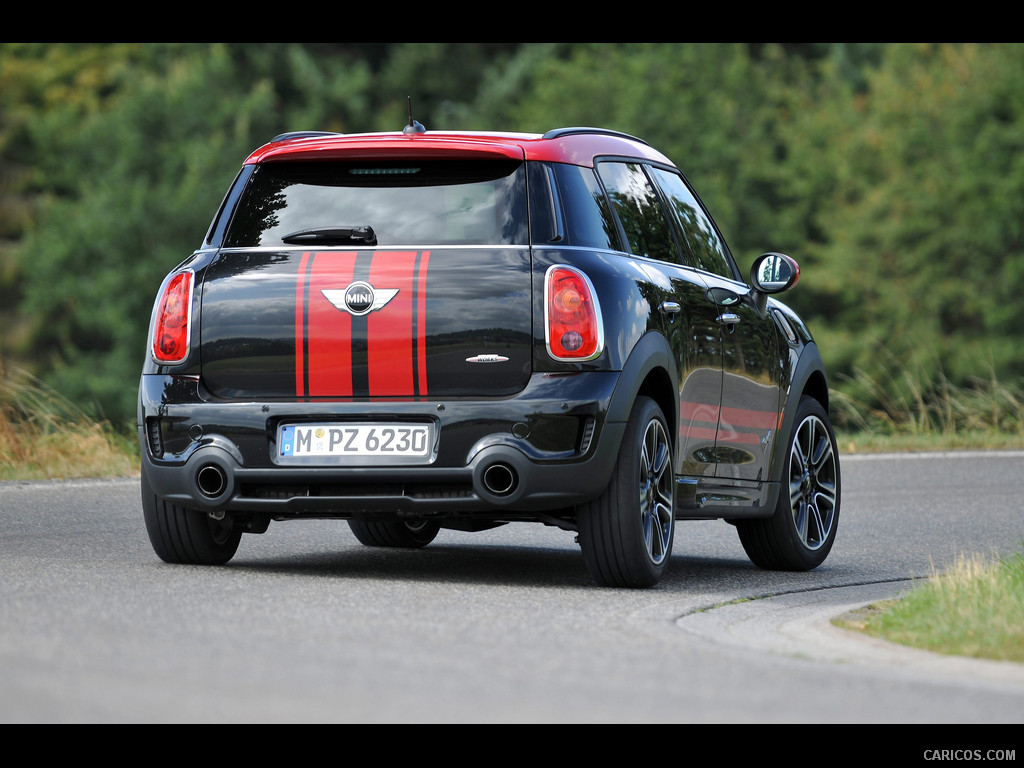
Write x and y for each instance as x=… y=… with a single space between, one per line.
x=411 y=203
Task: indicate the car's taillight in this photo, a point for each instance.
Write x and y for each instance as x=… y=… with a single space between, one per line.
x=572 y=316
x=171 y=327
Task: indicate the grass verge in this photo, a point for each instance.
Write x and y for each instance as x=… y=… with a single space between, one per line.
x=974 y=609
x=45 y=436
x=911 y=409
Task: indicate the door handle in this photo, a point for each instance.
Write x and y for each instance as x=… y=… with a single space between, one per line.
x=728 y=318
x=670 y=308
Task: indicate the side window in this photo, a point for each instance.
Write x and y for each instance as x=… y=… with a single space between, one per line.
x=637 y=205
x=707 y=248
x=583 y=208
x=545 y=223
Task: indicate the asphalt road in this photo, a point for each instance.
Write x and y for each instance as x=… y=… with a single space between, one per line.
x=306 y=625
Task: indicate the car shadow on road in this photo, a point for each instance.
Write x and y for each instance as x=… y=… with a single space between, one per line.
x=525 y=566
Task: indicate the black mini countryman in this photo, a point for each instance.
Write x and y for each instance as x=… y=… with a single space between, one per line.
x=419 y=330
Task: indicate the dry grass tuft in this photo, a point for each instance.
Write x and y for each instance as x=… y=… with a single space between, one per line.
x=43 y=435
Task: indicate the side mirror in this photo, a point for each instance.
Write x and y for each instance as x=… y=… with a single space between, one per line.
x=774 y=273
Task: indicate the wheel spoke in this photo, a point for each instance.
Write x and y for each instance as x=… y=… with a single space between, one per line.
x=822 y=457
x=664 y=493
x=824 y=514
x=660 y=463
x=795 y=491
x=655 y=449
x=659 y=539
x=827 y=493
x=799 y=455
x=802 y=519
x=663 y=478
x=816 y=536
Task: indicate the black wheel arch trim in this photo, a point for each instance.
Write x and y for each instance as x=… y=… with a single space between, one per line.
x=809 y=378
x=650 y=359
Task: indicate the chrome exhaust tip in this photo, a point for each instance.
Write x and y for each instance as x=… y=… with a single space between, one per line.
x=211 y=480
x=500 y=479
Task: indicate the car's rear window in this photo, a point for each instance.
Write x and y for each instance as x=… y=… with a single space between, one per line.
x=410 y=203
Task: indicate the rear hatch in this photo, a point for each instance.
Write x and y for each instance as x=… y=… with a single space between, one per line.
x=372 y=279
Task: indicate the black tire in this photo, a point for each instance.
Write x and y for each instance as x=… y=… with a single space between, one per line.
x=799 y=536
x=186 y=536
x=626 y=533
x=402 y=534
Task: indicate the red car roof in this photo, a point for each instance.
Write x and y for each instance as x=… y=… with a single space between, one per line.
x=578 y=146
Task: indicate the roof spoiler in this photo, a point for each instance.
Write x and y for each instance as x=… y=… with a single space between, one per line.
x=555 y=133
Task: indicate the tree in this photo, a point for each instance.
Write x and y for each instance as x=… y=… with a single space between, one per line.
x=920 y=183
x=127 y=190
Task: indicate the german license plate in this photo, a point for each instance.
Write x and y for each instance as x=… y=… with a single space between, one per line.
x=358 y=443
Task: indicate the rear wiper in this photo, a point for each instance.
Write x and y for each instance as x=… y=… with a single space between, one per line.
x=339 y=235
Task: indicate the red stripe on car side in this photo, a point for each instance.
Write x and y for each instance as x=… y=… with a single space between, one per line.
x=300 y=327
x=741 y=417
x=390 y=328
x=737 y=417
x=735 y=425
x=421 y=325
x=698 y=421
x=689 y=411
x=740 y=426
x=329 y=330
x=698 y=433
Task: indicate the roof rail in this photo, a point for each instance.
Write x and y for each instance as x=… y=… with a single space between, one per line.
x=302 y=135
x=557 y=132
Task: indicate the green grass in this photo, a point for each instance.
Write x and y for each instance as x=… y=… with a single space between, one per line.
x=910 y=408
x=974 y=609
x=869 y=442
x=918 y=409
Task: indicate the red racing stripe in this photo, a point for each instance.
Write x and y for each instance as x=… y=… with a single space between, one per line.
x=698 y=421
x=300 y=327
x=734 y=425
x=698 y=412
x=329 y=330
x=740 y=417
x=698 y=433
x=421 y=324
x=390 y=329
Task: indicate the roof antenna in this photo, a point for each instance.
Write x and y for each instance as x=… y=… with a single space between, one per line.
x=413 y=126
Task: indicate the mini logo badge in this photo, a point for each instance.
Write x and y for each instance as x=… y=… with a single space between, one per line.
x=359 y=298
x=487 y=359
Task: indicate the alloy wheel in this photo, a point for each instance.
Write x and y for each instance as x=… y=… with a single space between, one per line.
x=656 y=508
x=812 y=482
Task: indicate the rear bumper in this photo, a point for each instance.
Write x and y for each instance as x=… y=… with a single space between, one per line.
x=546 y=449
